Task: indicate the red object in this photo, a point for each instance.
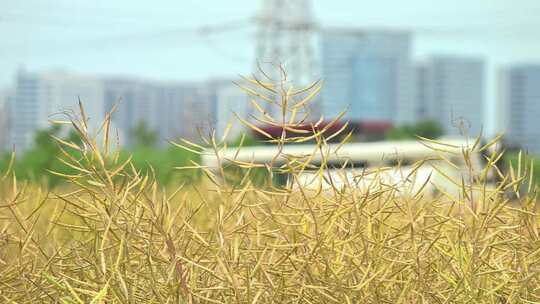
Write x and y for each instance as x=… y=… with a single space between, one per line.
x=370 y=128
x=374 y=127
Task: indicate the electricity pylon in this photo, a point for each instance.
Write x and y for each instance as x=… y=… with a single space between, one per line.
x=286 y=36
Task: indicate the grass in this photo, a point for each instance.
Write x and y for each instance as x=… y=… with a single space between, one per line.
x=114 y=235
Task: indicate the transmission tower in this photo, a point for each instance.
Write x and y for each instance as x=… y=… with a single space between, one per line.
x=285 y=35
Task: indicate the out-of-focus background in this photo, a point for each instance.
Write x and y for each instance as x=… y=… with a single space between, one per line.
x=451 y=67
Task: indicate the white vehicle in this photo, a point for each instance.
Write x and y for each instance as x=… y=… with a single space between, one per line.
x=423 y=166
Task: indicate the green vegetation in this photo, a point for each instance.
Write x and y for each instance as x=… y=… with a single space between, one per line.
x=427 y=129
x=143 y=137
x=244 y=141
x=117 y=235
x=46 y=156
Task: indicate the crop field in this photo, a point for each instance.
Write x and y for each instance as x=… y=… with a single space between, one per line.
x=112 y=234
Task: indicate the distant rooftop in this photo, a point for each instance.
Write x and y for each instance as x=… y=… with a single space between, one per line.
x=365 y=30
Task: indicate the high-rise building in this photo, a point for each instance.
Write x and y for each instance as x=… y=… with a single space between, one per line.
x=186 y=110
x=134 y=100
x=172 y=110
x=369 y=74
x=6 y=100
x=450 y=90
x=423 y=102
x=230 y=102
x=519 y=105
x=42 y=97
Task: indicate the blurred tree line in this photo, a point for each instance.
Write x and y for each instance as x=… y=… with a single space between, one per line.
x=36 y=163
x=427 y=129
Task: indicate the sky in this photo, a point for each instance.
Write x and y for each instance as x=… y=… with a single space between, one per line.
x=158 y=39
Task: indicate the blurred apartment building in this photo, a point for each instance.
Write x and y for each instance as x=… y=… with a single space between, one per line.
x=231 y=102
x=6 y=100
x=519 y=106
x=450 y=90
x=42 y=97
x=132 y=99
x=172 y=110
x=191 y=108
x=369 y=73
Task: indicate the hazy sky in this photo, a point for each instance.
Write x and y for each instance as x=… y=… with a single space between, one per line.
x=154 y=39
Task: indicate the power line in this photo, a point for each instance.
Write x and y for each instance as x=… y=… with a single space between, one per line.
x=278 y=22
x=194 y=33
